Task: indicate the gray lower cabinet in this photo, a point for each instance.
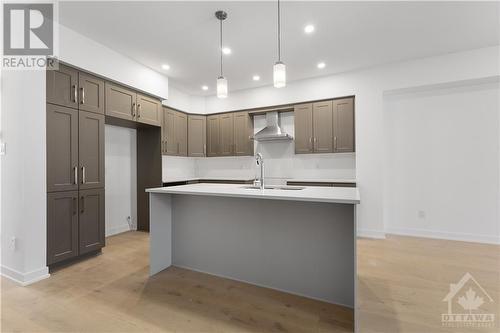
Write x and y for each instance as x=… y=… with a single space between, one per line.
x=62 y=226
x=197 y=136
x=91 y=150
x=213 y=137
x=62 y=86
x=91 y=220
x=149 y=110
x=91 y=93
x=343 y=125
x=62 y=148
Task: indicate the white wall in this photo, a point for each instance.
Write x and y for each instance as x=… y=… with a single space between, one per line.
x=178 y=167
x=87 y=54
x=368 y=86
x=121 y=179
x=23 y=214
x=184 y=102
x=23 y=129
x=442 y=162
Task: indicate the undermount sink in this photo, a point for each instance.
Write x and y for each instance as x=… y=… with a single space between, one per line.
x=276 y=187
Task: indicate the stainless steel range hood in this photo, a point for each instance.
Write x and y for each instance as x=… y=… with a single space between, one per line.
x=272 y=131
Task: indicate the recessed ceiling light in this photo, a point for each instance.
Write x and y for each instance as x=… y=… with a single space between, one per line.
x=321 y=65
x=256 y=78
x=226 y=50
x=165 y=67
x=204 y=87
x=309 y=28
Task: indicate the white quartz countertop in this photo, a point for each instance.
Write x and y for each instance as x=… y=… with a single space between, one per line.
x=322 y=180
x=348 y=195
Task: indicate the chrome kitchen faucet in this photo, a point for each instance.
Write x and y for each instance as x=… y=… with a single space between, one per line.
x=260 y=162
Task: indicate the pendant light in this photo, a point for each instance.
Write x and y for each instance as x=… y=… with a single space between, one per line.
x=221 y=80
x=279 y=69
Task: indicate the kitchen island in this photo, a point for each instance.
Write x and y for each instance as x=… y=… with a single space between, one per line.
x=297 y=240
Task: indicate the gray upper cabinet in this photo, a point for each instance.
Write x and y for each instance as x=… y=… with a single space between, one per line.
x=197 y=135
x=226 y=133
x=343 y=125
x=91 y=93
x=322 y=127
x=120 y=102
x=62 y=226
x=243 y=130
x=91 y=150
x=180 y=131
x=174 y=129
x=170 y=143
x=149 y=110
x=62 y=148
x=62 y=86
x=213 y=137
x=91 y=220
x=303 y=124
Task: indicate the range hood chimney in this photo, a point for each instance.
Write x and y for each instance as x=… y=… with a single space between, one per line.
x=272 y=131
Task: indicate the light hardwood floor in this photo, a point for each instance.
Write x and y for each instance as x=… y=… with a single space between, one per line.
x=402 y=282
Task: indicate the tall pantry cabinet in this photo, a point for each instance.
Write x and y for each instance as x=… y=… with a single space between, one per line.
x=75 y=163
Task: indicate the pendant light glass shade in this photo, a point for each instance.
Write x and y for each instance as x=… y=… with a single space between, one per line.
x=279 y=75
x=221 y=87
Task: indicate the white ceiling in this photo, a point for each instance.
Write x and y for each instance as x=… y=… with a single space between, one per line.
x=348 y=35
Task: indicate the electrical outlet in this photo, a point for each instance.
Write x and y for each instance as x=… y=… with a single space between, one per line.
x=2 y=148
x=13 y=243
x=421 y=214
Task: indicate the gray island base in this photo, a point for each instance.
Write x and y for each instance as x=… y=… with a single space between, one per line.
x=300 y=241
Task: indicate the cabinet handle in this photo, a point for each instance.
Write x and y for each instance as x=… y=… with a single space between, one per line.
x=177 y=147
x=84 y=180
x=335 y=143
x=205 y=150
x=74 y=205
x=82 y=89
x=75 y=175
x=138 y=110
x=83 y=204
x=74 y=93
x=133 y=110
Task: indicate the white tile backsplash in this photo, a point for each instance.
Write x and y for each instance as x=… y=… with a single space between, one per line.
x=280 y=161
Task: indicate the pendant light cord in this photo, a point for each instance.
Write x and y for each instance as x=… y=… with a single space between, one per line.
x=279 y=33
x=220 y=47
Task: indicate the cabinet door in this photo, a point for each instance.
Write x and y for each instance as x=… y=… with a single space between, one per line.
x=322 y=127
x=120 y=102
x=303 y=123
x=170 y=144
x=197 y=135
x=343 y=125
x=91 y=94
x=213 y=137
x=91 y=220
x=62 y=86
x=148 y=110
x=91 y=150
x=62 y=226
x=227 y=134
x=180 y=131
x=243 y=144
x=62 y=148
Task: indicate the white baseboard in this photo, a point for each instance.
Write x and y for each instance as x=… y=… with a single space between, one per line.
x=118 y=230
x=25 y=279
x=370 y=233
x=457 y=236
